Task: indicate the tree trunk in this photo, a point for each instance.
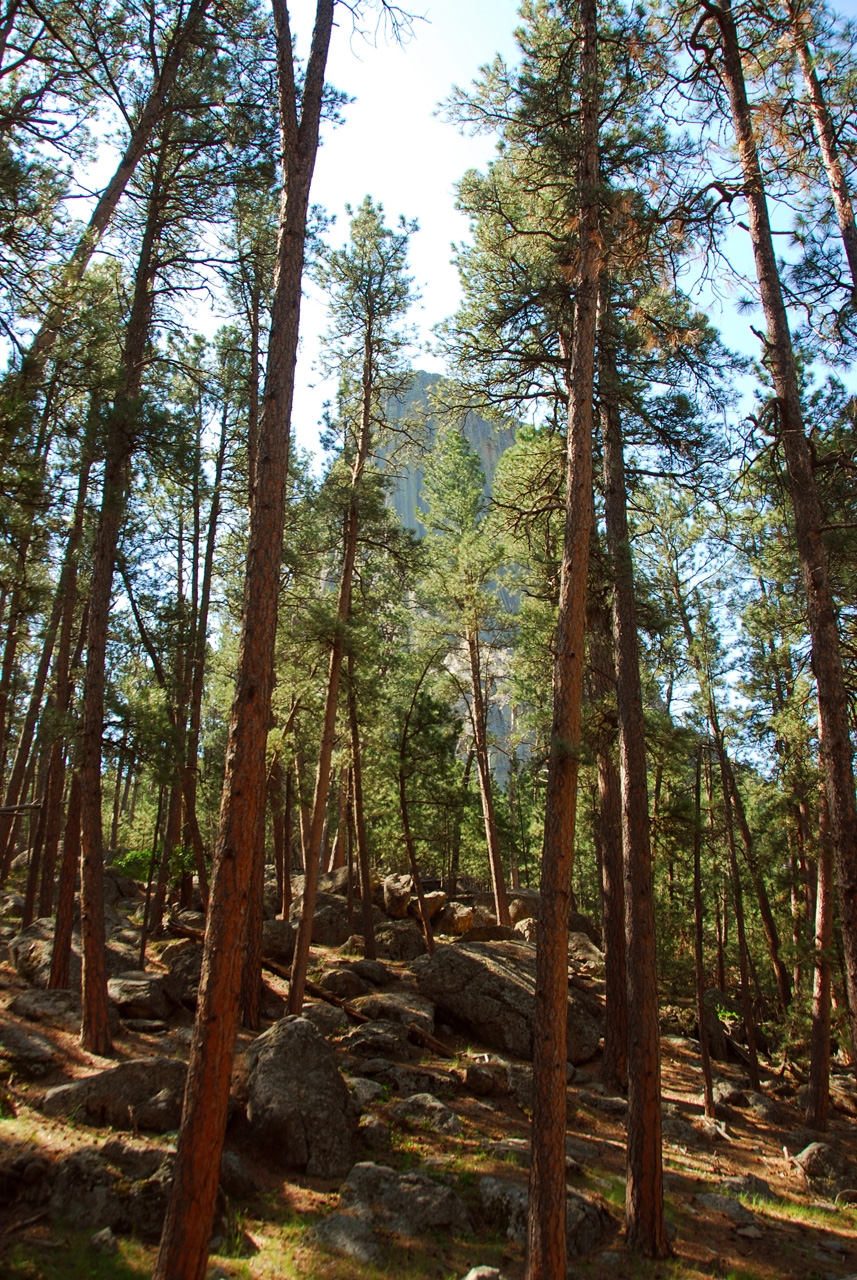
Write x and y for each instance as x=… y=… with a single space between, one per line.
x=818 y=1101
x=486 y=789
x=368 y=918
x=614 y=1061
x=65 y=898
x=611 y=869
x=278 y=830
x=740 y=931
x=546 y=1234
x=826 y=659
x=825 y=132
x=184 y=1245
x=698 y=951
x=403 y=809
x=645 y=1225
x=331 y=702
x=61 y=619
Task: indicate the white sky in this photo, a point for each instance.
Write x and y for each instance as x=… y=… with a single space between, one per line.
x=393 y=147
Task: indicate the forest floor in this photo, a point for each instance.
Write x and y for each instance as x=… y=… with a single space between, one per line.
x=795 y=1234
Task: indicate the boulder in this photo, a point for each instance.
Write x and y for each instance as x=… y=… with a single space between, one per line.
x=491 y=933
x=374 y=1134
x=298 y=1106
x=402 y=942
x=326 y=1018
x=235 y=1178
x=144 y=1093
x=823 y=1165
x=523 y=906
x=378 y=1039
x=141 y=995
x=371 y=971
x=454 y=920
x=26 y=1055
x=335 y=882
x=427 y=1112
x=579 y=923
x=365 y=1091
x=344 y=983
x=278 y=941
x=528 y=929
x=401 y=1006
x=489 y=988
x=504 y=1203
x=90 y=1194
x=349 y=1235
x=434 y=904
x=397 y=895
x=403 y=1079
x=411 y=1204
x=185 y=970
x=330 y=923
x=728 y=1206
x=132 y=1157
x=56 y=1008
x=31 y=950
x=582 y=950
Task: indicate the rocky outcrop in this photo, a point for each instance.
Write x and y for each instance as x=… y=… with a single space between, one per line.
x=489 y=988
x=400 y=1006
x=330 y=923
x=426 y=1112
x=145 y=1093
x=402 y=941
x=504 y=1203
x=409 y=1203
x=397 y=895
x=298 y=1106
x=31 y=950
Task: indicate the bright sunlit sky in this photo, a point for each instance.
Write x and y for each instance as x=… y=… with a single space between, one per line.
x=394 y=147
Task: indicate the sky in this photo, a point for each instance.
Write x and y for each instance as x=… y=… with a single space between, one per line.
x=395 y=147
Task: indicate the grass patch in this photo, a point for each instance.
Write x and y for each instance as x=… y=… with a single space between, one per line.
x=76 y=1260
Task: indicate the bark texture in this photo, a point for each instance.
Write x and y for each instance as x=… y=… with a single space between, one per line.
x=546 y=1233
x=184 y=1245
x=826 y=656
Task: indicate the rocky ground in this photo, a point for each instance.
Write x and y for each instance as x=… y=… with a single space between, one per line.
x=391 y=1137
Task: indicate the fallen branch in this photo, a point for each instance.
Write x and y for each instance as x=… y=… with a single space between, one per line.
x=25 y=1222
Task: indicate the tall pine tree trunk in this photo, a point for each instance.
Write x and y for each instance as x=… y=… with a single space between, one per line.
x=825 y=132
x=824 y=633
x=184 y=1245
x=546 y=1234
x=645 y=1225
x=486 y=789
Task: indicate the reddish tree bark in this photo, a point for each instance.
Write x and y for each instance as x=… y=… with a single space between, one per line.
x=824 y=632
x=818 y=1100
x=184 y=1244
x=698 y=951
x=546 y=1234
x=61 y=954
x=368 y=917
x=645 y=1224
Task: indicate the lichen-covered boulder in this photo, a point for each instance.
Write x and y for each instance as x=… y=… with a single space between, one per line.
x=489 y=988
x=145 y=1093
x=298 y=1105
